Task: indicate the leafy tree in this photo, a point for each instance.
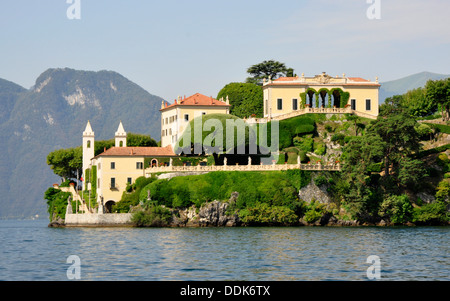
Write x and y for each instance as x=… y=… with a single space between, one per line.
x=396 y=128
x=245 y=99
x=269 y=70
x=66 y=162
x=140 y=140
x=360 y=153
x=438 y=92
x=418 y=102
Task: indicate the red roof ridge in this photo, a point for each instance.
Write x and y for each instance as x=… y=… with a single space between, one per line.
x=197 y=99
x=138 y=151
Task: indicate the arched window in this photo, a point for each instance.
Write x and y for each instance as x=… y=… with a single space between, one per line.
x=121 y=143
x=88 y=144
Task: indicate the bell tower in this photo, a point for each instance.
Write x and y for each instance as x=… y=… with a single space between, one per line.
x=121 y=136
x=88 y=149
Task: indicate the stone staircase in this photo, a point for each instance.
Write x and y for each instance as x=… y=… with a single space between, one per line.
x=82 y=206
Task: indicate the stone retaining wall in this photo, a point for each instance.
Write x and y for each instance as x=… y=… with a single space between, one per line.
x=106 y=220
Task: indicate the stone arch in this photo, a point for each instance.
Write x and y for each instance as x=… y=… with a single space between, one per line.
x=310 y=92
x=336 y=93
x=108 y=206
x=154 y=162
x=323 y=95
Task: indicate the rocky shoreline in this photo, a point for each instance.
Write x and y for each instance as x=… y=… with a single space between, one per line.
x=216 y=214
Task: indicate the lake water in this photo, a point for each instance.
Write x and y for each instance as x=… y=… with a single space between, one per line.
x=32 y=251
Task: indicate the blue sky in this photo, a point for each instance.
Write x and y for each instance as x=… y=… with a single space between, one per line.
x=173 y=47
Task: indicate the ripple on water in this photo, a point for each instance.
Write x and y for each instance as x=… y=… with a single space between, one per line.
x=32 y=251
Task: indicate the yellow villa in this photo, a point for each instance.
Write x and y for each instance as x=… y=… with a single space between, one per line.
x=176 y=116
x=288 y=96
x=117 y=166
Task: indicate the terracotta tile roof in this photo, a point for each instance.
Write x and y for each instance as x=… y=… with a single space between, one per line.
x=358 y=79
x=197 y=100
x=282 y=79
x=138 y=151
x=294 y=81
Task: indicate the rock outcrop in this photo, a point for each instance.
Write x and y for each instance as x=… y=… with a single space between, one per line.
x=314 y=192
x=212 y=214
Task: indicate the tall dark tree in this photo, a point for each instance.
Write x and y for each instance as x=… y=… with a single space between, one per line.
x=396 y=128
x=268 y=69
x=359 y=154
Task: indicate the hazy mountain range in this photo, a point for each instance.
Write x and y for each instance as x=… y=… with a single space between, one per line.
x=53 y=113
x=402 y=85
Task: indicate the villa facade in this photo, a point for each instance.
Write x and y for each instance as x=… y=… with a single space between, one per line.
x=323 y=93
x=111 y=171
x=175 y=117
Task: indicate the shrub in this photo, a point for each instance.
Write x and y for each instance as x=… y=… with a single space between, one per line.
x=375 y=167
x=339 y=138
x=154 y=216
x=443 y=191
x=56 y=203
x=397 y=208
x=264 y=214
x=132 y=195
x=430 y=214
x=320 y=180
x=320 y=149
x=314 y=211
x=424 y=131
x=304 y=143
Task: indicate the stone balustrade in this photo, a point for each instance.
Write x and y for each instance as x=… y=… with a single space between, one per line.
x=271 y=167
x=310 y=110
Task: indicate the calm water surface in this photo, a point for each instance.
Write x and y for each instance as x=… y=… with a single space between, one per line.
x=31 y=251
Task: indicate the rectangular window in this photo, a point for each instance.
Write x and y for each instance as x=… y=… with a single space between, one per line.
x=99 y=166
x=353 y=104
x=139 y=165
x=295 y=104
x=280 y=104
x=113 y=182
x=186 y=117
x=129 y=180
x=113 y=165
x=367 y=104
